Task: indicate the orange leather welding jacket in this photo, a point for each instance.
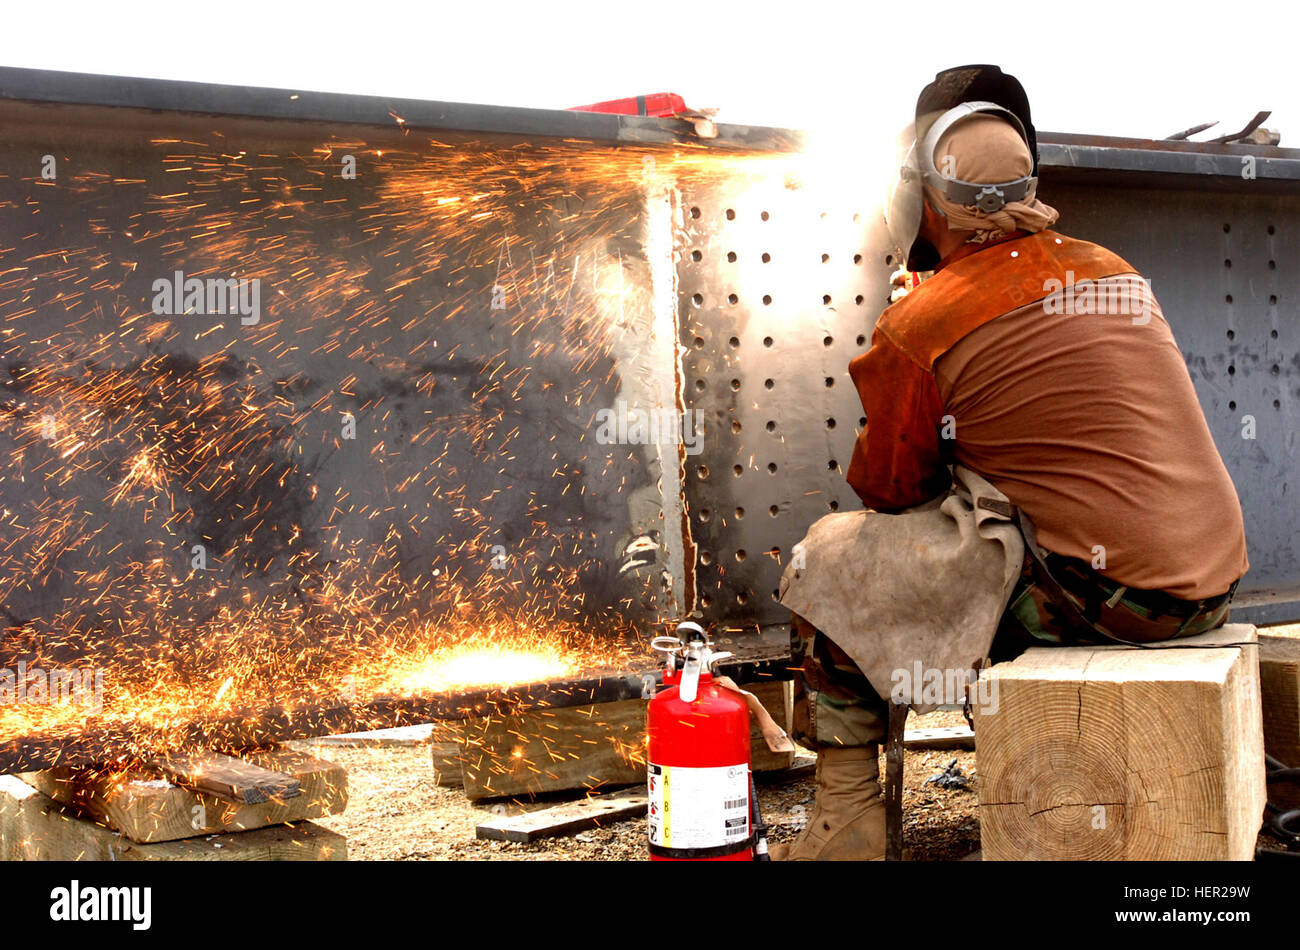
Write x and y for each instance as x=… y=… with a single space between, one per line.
x=898 y=460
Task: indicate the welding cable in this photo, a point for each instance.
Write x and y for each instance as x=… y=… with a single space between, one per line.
x=760 y=829
x=1284 y=825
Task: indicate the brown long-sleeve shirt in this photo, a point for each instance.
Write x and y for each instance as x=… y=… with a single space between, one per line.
x=1086 y=420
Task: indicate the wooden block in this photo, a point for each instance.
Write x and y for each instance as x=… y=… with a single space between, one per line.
x=226 y=776
x=777 y=697
x=446 y=764
x=1113 y=753
x=567 y=818
x=551 y=750
x=34 y=827
x=146 y=808
x=1279 y=681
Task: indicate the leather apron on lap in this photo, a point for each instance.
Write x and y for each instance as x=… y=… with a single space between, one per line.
x=927 y=585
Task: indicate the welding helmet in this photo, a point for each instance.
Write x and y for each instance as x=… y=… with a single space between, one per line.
x=954 y=95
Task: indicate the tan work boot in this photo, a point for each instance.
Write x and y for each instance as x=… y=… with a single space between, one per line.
x=848 y=819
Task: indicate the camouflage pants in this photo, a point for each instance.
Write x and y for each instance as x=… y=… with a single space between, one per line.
x=835 y=704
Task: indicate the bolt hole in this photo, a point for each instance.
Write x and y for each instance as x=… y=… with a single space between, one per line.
x=771 y=468
x=731 y=257
x=695 y=212
x=771 y=426
x=698 y=299
x=696 y=256
x=827 y=341
x=774 y=511
x=731 y=214
x=767 y=341
x=766 y=257
x=735 y=385
x=737 y=470
x=767 y=300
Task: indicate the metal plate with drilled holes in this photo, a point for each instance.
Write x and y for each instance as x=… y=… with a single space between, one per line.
x=777 y=293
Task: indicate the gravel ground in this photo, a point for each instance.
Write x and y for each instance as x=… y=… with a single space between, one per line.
x=396 y=811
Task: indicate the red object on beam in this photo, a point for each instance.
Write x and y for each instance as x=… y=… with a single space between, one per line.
x=663 y=105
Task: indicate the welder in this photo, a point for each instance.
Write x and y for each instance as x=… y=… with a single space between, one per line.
x=1035 y=466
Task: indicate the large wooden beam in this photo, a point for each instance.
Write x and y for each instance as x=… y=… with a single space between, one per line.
x=1117 y=753
x=549 y=750
x=146 y=809
x=34 y=827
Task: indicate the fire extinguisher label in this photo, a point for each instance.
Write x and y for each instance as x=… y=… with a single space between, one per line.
x=698 y=808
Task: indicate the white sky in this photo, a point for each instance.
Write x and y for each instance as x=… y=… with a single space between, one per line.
x=1120 y=68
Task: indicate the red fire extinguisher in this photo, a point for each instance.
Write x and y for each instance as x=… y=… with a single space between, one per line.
x=698 y=758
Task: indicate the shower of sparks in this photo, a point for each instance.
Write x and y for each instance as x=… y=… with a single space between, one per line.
x=105 y=421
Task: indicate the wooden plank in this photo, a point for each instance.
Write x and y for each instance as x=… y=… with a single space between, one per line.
x=34 y=827
x=940 y=737
x=148 y=809
x=567 y=818
x=1112 y=753
x=225 y=776
x=777 y=697
x=550 y=750
x=1279 y=681
x=398 y=736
